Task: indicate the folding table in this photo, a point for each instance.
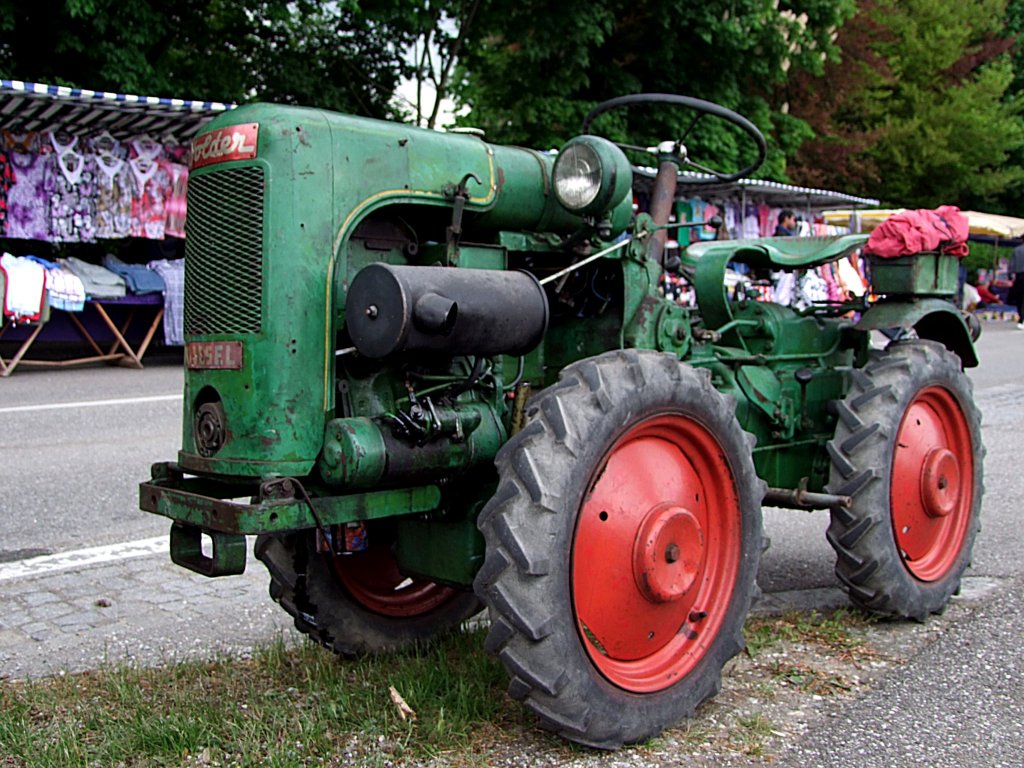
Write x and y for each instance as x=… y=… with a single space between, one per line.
x=120 y=351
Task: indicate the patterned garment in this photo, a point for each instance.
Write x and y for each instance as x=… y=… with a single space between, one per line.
x=71 y=183
x=151 y=187
x=6 y=181
x=28 y=201
x=173 y=273
x=175 y=225
x=105 y=144
x=113 y=202
x=811 y=289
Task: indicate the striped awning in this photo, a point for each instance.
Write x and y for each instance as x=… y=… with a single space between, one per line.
x=774 y=193
x=37 y=107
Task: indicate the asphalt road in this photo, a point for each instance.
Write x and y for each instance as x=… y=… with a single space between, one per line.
x=69 y=470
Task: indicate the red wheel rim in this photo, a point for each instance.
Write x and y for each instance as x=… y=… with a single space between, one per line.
x=656 y=553
x=932 y=492
x=372 y=578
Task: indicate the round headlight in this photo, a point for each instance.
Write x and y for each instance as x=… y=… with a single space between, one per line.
x=591 y=176
x=577 y=176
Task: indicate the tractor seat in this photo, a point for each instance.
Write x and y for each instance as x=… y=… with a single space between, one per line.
x=784 y=253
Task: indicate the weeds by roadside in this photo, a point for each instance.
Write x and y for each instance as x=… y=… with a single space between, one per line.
x=296 y=706
x=441 y=705
x=841 y=632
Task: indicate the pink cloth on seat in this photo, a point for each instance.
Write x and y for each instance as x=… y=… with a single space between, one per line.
x=910 y=232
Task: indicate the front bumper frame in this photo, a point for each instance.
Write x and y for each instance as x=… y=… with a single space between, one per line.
x=227 y=512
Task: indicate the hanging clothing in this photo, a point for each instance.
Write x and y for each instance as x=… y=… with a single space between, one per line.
x=751 y=223
x=850 y=279
x=105 y=144
x=113 y=205
x=176 y=200
x=152 y=185
x=146 y=148
x=28 y=199
x=173 y=273
x=785 y=287
x=708 y=232
x=765 y=220
x=6 y=182
x=72 y=189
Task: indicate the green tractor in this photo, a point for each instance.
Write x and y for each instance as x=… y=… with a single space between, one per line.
x=432 y=374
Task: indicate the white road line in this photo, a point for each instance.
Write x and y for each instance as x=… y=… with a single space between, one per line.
x=63 y=561
x=90 y=403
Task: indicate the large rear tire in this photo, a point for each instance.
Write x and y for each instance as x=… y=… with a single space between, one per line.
x=622 y=547
x=908 y=450
x=359 y=603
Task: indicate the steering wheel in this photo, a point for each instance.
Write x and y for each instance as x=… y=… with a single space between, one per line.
x=702 y=108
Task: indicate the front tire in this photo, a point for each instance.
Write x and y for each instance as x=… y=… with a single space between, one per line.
x=360 y=603
x=622 y=547
x=908 y=450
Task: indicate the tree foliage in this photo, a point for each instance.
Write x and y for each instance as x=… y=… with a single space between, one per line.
x=915 y=101
x=333 y=55
x=534 y=69
x=919 y=111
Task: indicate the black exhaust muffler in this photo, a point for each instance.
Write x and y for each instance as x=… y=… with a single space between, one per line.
x=391 y=309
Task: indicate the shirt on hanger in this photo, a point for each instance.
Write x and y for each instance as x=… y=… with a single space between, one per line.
x=72 y=188
x=28 y=201
x=113 y=204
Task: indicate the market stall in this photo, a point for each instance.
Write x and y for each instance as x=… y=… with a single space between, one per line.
x=92 y=206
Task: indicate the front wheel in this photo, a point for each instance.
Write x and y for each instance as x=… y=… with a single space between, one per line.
x=358 y=603
x=908 y=450
x=622 y=547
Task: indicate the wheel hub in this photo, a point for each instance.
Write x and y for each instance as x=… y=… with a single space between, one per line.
x=930 y=495
x=940 y=482
x=656 y=553
x=667 y=553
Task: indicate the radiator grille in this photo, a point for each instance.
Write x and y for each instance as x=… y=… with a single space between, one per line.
x=224 y=252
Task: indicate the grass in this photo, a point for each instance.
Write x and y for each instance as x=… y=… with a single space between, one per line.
x=752 y=735
x=283 y=707
x=840 y=632
x=303 y=706
x=808 y=679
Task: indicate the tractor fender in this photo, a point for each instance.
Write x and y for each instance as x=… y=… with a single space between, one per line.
x=935 y=319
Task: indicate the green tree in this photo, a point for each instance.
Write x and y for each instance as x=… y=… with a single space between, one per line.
x=919 y=111
x=534 y=69
x=339 y=55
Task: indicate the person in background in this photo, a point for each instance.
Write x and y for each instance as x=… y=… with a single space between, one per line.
x=787 y=224
x=1016 y=296
x=971 y=298
x=986 y=296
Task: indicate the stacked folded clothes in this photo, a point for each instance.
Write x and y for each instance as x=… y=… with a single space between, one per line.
x=63 y=288
x=99 y=282
x=139 y=278
x=24 y=291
